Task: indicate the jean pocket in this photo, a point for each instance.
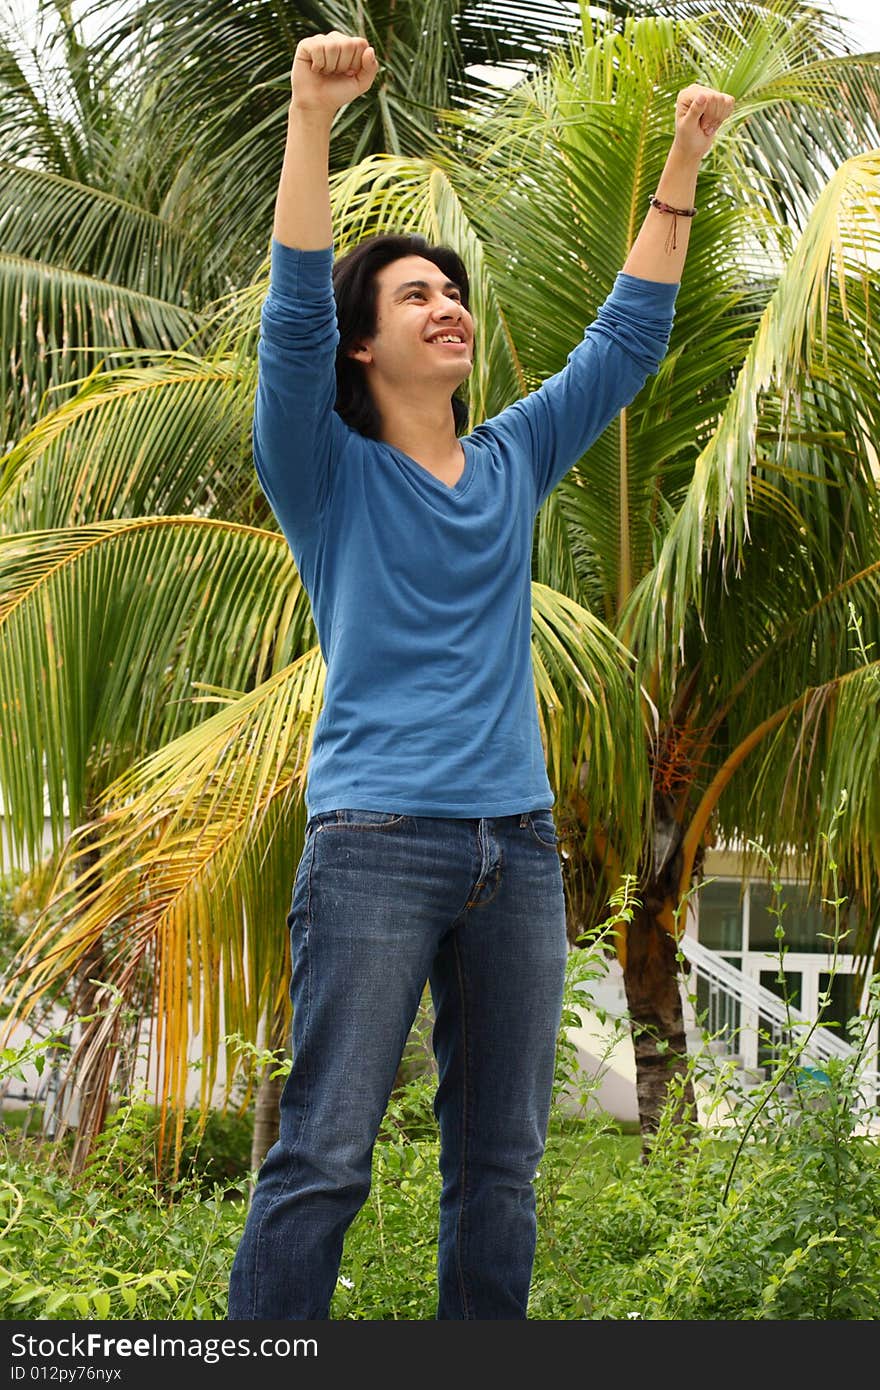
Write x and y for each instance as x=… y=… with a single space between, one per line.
x=355 y=819
x=543 y=827
x=322 y=818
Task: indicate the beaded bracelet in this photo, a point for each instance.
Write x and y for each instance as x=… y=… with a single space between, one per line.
x=671 y=241
x=665 y=207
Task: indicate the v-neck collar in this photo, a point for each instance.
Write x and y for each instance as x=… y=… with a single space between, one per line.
x=458 y=487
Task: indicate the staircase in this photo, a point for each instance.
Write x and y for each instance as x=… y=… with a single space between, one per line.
x=732 y=994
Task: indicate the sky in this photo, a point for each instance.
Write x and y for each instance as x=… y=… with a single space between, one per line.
x=863 y=17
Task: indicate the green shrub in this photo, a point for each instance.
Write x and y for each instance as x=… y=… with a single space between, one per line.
x=214 y=1153
x=774 y=1214
x=87 y=1250
x=796 y=1236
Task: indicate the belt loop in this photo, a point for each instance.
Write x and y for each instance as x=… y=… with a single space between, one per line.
x=523 y=820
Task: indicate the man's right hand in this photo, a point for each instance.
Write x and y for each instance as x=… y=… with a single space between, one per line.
x=330 y=70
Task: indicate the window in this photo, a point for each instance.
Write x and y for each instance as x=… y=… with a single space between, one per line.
x=732 y=919
x=721 y=916
x=807 y=927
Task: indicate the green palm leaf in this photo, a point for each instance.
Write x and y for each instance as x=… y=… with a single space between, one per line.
x=55 y=220
x=842 y=233
x=106 y=632
x=161 y=439
x=194 y=866
x=243 y=55
x=57 y=325
x=826 y=751
x=591 y=722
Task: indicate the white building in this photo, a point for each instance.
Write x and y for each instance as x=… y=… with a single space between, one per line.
x=733 y=991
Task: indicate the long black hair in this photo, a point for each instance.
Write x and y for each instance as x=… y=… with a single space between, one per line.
x=354 y=286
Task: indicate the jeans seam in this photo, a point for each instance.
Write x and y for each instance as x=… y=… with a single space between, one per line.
x=461 y=1224
x=364 y=826
x=476 y=903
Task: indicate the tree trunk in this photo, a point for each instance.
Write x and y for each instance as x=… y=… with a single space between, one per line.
x=268 y=1098
x=95 y=1057
x=657 y=1023
x=90 y=1067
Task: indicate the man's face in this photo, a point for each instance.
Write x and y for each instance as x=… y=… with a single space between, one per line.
x=423 y=331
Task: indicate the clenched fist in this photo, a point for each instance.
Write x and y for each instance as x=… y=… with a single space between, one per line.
x=699 y=111
x=330 y=70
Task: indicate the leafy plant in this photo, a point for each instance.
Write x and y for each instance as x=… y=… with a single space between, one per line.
x=694 y=575
x=797 y=1235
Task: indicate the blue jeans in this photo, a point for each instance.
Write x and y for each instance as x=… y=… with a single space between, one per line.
x=381 y=903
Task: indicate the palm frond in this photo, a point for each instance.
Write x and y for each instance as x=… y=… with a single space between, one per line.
x=105 y=631
x=825 y=755
x=588 y=705
x=243 y=54
x=834 y=252
x=57 y=325
x=54 y=220
x=32 y=89
x=194 y=863
x=166 y=438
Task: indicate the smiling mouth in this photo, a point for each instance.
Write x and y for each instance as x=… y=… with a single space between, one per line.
x=448 y=340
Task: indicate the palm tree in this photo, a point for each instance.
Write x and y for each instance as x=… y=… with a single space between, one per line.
x=111 y=251
x=95 y=254
x=696 y=658
x=134 y=195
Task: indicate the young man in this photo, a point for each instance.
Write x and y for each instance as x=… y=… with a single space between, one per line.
x=430 y=850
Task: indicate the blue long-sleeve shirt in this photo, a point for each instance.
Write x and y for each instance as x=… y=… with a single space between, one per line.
x=421 y=593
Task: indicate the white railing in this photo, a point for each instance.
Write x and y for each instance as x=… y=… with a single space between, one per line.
x=765 y=1005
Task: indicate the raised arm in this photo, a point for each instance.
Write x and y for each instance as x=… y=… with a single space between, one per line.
x=328 y=72
x=296 y=430
x=659 y=250
x=628 y=338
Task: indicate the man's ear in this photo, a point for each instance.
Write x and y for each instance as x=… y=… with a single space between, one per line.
x=360 y=353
